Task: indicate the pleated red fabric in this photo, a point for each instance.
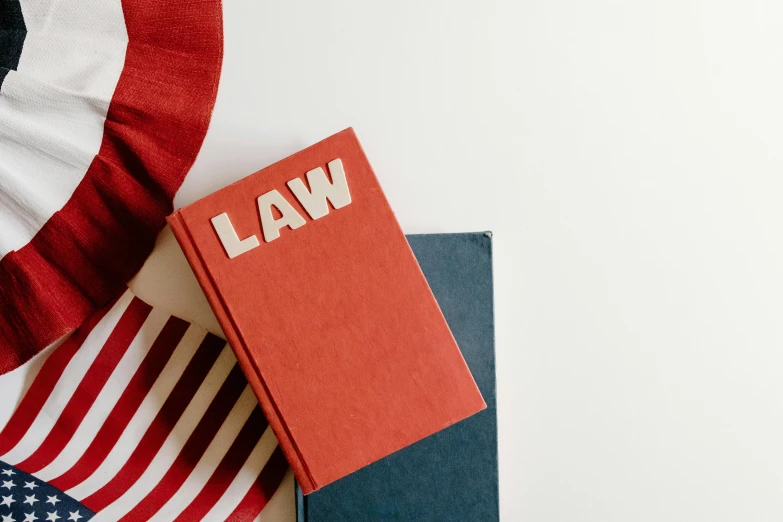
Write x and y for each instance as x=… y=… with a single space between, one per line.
x=156 y=121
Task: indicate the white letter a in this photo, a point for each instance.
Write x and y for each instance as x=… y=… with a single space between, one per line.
x=269 y=224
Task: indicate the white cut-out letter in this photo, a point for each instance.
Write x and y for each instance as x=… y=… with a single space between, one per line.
x=229 y=238
x=314 y=200
x=269 y=224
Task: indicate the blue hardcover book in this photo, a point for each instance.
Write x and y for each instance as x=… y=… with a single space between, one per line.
x=453 y=474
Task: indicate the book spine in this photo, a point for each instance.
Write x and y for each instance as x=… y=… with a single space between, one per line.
x=301 y=501
x=284 y=438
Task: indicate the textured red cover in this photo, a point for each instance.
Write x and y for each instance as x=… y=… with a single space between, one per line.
x=332 y=322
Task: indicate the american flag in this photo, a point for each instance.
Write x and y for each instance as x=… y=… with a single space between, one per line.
x=138 y=416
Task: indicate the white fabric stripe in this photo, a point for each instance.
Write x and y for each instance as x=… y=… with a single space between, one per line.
x=68 y=382
x=282 y=505
x=245 y=478
x=212 y=456
x=107 y=397
x=16 y=383
x=144 y=416
x=173 y=444
x=52 y=110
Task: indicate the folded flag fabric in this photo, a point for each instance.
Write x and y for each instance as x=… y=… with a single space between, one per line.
x=138 y=416
x=104 y=105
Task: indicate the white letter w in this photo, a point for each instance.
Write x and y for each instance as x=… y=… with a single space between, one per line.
x=314 y=200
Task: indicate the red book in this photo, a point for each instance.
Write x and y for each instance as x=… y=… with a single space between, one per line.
x=331 y=319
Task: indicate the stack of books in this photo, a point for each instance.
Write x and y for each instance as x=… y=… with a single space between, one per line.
x=371 y=354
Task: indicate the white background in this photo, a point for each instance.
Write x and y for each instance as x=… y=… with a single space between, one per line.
x=626 y=154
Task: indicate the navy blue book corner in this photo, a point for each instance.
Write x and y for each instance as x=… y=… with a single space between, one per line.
x=452 y=475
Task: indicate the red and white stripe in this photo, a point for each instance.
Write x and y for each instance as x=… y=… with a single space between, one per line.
x=99 y=124
x=142 y=416
x=53 y=109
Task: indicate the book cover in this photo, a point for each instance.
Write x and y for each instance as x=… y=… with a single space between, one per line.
x=330 y=316
x=453 y=475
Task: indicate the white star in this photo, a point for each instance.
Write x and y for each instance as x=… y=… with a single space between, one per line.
x=30 y=485
x=30 y=500
x=30 y=517
x=52 y=500
x=8 y=472
x=7 y=501
x=8 y=484
x=52 y=516
x=74 y=515
x=7 y=518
